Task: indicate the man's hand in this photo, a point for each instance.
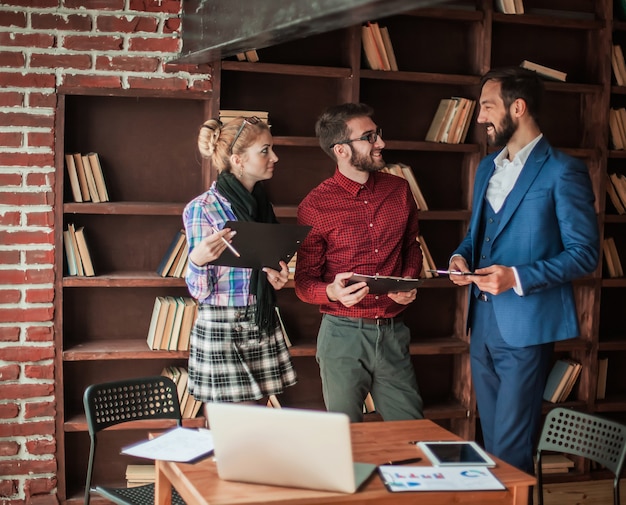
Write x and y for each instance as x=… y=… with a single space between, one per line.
x=494 y=279
x=348 y=296
x=459 y=264
x=403 y=297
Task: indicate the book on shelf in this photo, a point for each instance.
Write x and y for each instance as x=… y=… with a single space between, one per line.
x=291 y=266
x=91 y=180
x=85 y=255
x=72 y=174
x=171 y=323
x=98 y=174
x=368 y=404
x=388 y=46
x=82 y=177
x=189 y=406
x=380 y=45
x=618 y=65
x=616 y=130
x=603 y=365
x=252 y=55
x=172 y=252
x=372 y=57
x=561 y=380
x=519 y=6
x=71 y=228
x=451 y=121
x=272 y=402
x=227 y=115
x=189 y=318
x=427 y=260
x=506 y=6
x=406 y=172
x=618 y=185
x=139 y=475
x=614 y=197
x=179 y=268
x=544 y=71
x=611 y=258
x=282 y=327
x=70 y=254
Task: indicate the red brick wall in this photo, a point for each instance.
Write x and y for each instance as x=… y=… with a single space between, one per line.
x=45 y=44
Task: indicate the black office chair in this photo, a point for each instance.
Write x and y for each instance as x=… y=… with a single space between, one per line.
x=587 y=435
x=118 y=402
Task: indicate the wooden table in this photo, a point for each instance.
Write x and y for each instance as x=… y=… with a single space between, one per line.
x=372 y=442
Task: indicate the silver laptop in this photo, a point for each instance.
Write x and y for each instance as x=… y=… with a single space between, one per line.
x=285 y=447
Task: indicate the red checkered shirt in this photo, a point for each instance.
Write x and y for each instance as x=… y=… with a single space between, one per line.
x=369 y=229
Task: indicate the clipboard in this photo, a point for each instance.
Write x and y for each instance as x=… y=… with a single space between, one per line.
x=262 y=244
x=382 y=284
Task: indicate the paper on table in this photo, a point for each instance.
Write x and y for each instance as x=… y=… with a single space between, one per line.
x=178 y=444
x=436 y=478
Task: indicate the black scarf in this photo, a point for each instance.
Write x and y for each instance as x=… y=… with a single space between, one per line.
x=253 y=206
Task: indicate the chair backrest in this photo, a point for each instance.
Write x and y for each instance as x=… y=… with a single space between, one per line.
x=587 y=435
x=135 y=399
x=123 y=401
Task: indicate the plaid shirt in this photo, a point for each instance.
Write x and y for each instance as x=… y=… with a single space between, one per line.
x=369 y=229
x=214 y=284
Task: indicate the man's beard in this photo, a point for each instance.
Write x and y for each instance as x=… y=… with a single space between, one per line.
x=502 y=137
x=365 y=163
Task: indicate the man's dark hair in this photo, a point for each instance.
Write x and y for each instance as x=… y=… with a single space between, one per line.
x=331 y=126
x=518 y=82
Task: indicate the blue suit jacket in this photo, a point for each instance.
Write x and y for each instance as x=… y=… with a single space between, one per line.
x=549 y=232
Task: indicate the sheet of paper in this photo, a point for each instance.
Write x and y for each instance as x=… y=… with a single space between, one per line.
x=432 y=478
x=178 y=444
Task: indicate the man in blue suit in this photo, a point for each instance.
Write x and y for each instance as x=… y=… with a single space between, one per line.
x=533 y=230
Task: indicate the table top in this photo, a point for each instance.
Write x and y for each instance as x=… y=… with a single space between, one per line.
x=372 y=442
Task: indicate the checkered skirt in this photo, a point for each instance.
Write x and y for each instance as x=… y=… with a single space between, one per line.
x=229 y=361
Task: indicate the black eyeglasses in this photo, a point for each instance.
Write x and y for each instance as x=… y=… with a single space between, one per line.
x=371 y=137
x=249 y=120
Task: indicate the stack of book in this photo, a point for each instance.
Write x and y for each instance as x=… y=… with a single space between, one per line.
x=451 y=121
x=379 y=53
x=617 y=127
x=86 y=177
x=544 y=71
x=510 y=6
x=611 y=258
x=189 y=406
x=227 y=115
x=616 y=188
x=174 y=262
x=619 y=65
x=406 y=172
x=561 y=380
x=171 y=323
x=76 y=252
x=427 y=260
x=140 y=475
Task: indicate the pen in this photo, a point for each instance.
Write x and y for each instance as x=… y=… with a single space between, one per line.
x=404 y=461
x=452 y=272
x=228 y=244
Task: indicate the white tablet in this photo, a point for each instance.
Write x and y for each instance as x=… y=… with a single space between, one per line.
x=455 y=453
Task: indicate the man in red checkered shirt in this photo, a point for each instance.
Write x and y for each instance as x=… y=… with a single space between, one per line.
x=364 y=221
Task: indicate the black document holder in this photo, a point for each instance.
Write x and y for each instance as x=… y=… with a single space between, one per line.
x=262 y=244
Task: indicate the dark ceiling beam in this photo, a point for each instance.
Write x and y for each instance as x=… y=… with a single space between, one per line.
x=216 y=29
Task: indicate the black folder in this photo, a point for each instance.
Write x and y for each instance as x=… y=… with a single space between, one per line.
x=381 y=284
x=262 y=244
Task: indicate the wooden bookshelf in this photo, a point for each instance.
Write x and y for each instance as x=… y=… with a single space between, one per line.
x=145 y=141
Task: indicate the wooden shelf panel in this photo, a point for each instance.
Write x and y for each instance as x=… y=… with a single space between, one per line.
x=281 y=69
x=118 y=349
x=124 y=280
x=125 y=208
x=575 y=21
x=613 y=344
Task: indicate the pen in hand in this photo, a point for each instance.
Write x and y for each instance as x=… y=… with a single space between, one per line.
x=228 y=244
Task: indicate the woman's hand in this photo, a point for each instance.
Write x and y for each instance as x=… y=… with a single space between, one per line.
x=211 y=247
x=277 y=279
